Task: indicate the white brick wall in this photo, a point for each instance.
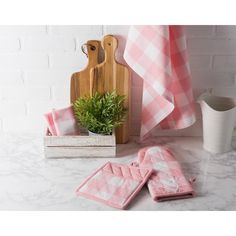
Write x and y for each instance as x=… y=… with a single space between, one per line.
x=9 y=44
x=36 y=63
x=23 y=61
x=48 y=44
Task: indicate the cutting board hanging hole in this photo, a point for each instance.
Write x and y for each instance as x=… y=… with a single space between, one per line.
x=80 y=82
x=88 y=46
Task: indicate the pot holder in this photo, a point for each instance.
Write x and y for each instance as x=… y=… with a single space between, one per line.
x=167 y=181
x=65 y=122
x=114 y=184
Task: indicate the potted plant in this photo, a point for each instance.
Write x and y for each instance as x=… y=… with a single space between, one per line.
x=100 y=113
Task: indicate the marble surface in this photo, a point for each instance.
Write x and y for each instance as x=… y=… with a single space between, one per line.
x=28 y=181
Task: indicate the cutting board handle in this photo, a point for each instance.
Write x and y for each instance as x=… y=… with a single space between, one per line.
x=92 y=52
x=109 y=44
x=111 y=76
x=80 y=82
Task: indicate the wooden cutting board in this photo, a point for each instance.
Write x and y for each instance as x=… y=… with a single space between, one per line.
x=109 y=76
x=80 y=81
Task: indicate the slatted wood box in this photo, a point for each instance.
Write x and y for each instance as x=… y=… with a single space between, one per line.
x=79 y=146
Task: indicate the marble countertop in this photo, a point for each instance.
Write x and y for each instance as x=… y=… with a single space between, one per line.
x=28 y=181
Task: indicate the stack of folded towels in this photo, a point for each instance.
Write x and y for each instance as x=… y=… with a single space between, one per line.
x=62 y=122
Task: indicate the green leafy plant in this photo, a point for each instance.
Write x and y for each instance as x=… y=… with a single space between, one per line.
x=100 y=113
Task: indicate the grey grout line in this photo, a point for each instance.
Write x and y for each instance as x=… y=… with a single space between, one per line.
x=1 y=124
x=212 y=62
x=214 y=30
x=22 y=75
x=26 y=108
x=20 y=43
x=47 y=29
x=103 y=30
x=76 y=49
x=51 y=92
x=49 y=61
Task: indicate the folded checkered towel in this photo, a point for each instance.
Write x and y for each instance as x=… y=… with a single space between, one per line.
x=167 y=181
x=50 y=124
x=62 y=122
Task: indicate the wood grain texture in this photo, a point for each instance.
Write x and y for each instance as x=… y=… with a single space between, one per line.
x=109 y=76
x=80 y=81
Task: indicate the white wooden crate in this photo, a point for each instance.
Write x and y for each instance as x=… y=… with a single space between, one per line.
x=79 y=146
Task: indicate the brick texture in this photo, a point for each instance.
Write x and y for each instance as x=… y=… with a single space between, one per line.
x=36 y=63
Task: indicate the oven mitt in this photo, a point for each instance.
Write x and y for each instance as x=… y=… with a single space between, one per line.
x=167 y=181
x=114 y=184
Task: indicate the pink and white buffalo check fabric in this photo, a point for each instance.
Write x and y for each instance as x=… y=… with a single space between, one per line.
x=114 y=184
x=167 y=181
x=50 y=124
x=159 y=55
x=62 y=122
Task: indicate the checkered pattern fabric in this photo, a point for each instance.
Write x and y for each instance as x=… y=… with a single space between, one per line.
x=167 y=181
x=62 y=122
x=50 y=124
x=159 y=55
x=114 y=184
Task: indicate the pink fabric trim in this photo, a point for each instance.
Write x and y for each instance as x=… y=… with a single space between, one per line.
x=50 y=124
x=62 y=122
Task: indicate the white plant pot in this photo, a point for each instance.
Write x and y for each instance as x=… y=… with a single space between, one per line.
x=94 y=134
x=218 y=115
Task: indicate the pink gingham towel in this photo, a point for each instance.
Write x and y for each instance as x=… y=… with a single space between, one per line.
x=114 y=184
x=159 y=55
x=65 y=122
x=50 y=124
x=62 y=122
x=167 y=181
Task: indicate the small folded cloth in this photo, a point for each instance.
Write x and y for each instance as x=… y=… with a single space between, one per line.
x=50 y=123
x=114 y=184
x=167 y=181
x=62 y=122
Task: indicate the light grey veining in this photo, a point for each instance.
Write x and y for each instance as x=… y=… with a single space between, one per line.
x=28 y=181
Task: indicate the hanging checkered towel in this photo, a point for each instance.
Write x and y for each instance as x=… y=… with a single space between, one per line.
x=167 y=181
x=159 y=55
x=62 y=122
